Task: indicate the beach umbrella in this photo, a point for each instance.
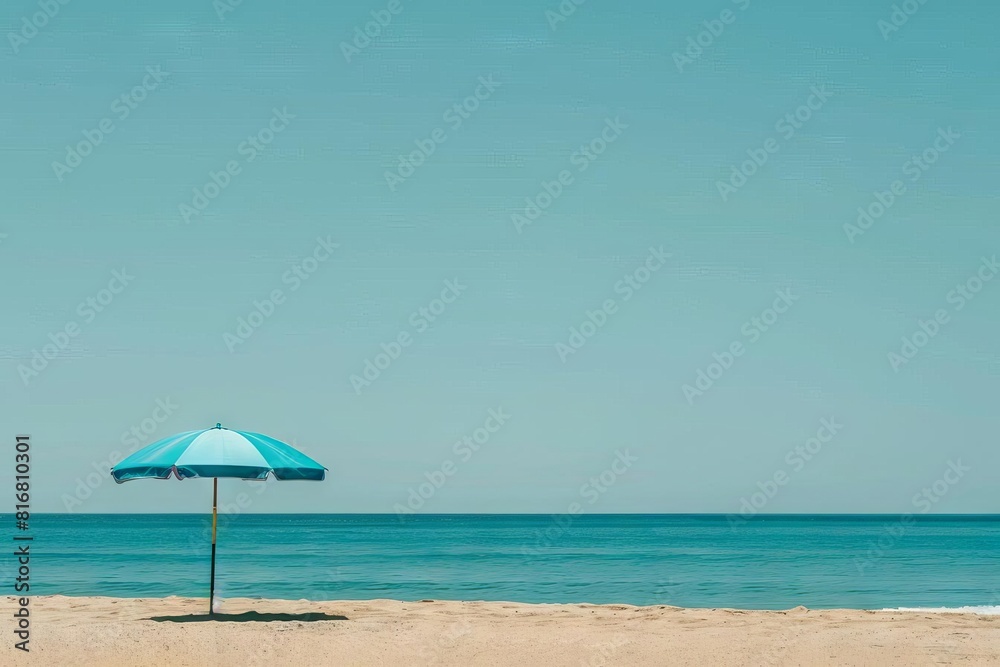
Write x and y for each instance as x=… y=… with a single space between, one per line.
x=218 y=452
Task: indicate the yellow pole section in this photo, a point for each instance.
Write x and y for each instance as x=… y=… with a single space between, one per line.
x=215 y=502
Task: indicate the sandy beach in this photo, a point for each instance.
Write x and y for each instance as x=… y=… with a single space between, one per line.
x=174 y=631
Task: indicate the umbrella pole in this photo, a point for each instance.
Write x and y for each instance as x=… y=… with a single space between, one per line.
x=215 y=501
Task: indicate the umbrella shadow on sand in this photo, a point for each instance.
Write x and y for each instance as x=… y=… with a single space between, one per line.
x=248 y=616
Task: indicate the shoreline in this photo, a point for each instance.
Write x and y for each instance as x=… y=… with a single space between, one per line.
x=176 y=631
x=973 y=610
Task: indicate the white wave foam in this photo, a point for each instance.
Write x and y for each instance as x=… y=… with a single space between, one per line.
x=985 y=611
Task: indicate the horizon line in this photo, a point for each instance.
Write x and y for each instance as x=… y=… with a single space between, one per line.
x=431 y=514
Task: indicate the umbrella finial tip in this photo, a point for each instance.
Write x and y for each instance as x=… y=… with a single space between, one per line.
x=218 y=424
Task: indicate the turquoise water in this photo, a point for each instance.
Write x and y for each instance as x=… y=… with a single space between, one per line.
x=774 y=562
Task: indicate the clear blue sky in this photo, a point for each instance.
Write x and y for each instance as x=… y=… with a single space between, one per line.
x=494 y=346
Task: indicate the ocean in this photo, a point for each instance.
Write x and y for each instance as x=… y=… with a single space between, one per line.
x=770 y=562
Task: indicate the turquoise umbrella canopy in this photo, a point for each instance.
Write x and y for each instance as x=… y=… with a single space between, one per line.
x=218 y=452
